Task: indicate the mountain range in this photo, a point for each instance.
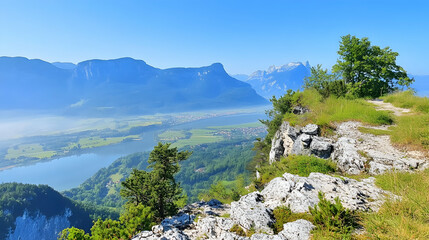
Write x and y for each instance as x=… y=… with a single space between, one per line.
x=125 y=86
x=276 y=80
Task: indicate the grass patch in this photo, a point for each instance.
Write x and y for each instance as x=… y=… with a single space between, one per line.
x=244 y=125
x=404 y=219
x=412 y=132
x=324 y=112
x=134 y=124
x=295 y=164
x=172 y=135
x=29 y=151
x=283 y=215
x=116 y=177
x=226 y=191
x=199 y=136
x=91 y=142
x=238 y=230
x=376 y=132
x=407 y=99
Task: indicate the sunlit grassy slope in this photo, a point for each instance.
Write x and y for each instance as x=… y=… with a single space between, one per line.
x=325 y=112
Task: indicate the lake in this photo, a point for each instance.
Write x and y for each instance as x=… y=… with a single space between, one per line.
x=68 y=172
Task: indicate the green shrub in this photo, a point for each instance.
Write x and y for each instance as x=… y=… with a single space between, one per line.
x=225 y=191
x=238 y=230
x=333 y=216
x=74 y=234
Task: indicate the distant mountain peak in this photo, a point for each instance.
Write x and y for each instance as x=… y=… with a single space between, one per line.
x=276 y=80
x=285 y=67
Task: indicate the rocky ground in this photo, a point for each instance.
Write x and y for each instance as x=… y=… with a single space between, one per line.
x=254 y=211
x=353 y=151
x=357 y=152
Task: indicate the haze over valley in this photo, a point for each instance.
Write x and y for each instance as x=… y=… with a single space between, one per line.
x=206 y=120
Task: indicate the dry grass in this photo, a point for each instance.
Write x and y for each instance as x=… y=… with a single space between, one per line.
x=404 y=219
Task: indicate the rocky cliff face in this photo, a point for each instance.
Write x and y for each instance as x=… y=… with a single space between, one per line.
x=39 y=227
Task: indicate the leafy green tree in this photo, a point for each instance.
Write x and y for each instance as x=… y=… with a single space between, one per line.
x=318 y=77
x=157 y=189
x=281 y=106
x=325 y=83
x=369 y=71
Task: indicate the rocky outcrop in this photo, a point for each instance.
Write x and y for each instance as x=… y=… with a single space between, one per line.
x=300 y=193
x=250 y=212
x=356 y=152
x=289 y=140
x=282 y=142
x=254 y=211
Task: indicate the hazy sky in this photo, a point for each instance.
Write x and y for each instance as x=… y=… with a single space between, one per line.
x=243 y=35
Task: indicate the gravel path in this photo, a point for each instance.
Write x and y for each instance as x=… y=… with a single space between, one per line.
x=380 y=105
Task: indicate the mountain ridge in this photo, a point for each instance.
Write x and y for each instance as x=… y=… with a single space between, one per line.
x=124 y=86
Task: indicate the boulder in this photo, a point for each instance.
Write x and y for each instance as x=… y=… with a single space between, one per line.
x=250 y=212
x=216 y=228
x=282 y=142
x=297 y=230
x=311 y=129
x=321 y=147
x=277 y=148
x=170 y=234
x=301 y=145
x=347 y=157
x=179 y=221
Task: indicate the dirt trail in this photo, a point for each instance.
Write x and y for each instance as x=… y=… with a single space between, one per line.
x=380 y=105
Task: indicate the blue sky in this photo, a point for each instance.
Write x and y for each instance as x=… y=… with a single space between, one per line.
x=243 y=35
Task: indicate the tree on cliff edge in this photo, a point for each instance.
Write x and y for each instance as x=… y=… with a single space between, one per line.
x=157 y=189
x=369 y=71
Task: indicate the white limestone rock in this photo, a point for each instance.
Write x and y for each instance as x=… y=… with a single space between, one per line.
x=321 y=147
x=311 y=129
x=300 y=193
x=250 y=212
x=347 y=157
x=297 y=230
